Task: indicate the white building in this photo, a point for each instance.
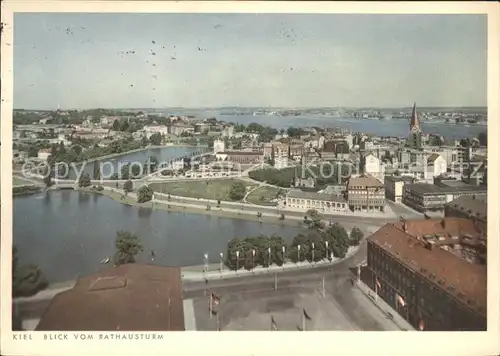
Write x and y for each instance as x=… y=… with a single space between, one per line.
x=350 y=140
x=436 y=166
x=228 y=131
x=219 y=146
x=297 y=200
x=44 y=154
x=373 y=166
x=321 y=142
x=152 y=129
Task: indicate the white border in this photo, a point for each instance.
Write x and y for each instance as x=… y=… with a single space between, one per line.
x=259 y=343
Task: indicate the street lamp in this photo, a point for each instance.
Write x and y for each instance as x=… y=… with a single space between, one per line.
x=206 y=265
x=253 y=260
x=221 y=259
x=237 y=261
x=269 y=261
x=283 y=261
x=312 y=251
x=326 y=252
x=298 y=253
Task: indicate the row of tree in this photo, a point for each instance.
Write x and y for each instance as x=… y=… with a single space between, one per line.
x=313 y=246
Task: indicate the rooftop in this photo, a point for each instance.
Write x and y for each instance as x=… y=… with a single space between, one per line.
x=299 y=194
x=131 y=297
x=474 y=205
x=241 y=153
x=424 y=188
x=399 y=179
x=466 y=282
x=433 y=157
x=364 y=181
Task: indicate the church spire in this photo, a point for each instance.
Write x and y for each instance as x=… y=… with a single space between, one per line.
x=415 y=122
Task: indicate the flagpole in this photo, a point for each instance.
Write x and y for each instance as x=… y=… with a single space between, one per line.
x=210 y=305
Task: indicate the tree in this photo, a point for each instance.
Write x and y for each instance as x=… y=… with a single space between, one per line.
x=237 y=191
x=125 y=171
x=314 y=220
x=27 y=280
x=144 y=194
x=356 y=236
x=338 y=239
x=128 y=187
x=127 y=246
x=32 y=151
x=152 y=164
x=77 y=149
x=84 y=180
x=97 y=170
x=156 y=139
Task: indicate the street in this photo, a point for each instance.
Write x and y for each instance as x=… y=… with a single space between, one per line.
x=327 y=293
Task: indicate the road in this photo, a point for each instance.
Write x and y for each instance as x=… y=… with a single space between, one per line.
x=248 y=303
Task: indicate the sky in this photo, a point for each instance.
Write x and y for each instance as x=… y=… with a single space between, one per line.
x=78 y=61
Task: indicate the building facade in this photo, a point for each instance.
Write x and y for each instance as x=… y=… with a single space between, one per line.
x=242 y=157
x=365 y=193
x=432 y=198
x=297 y=200
x=433 y=289
x=415 y=135
x=394 y=187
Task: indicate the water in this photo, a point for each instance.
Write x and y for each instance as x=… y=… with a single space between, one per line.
x=68 y=233
x=398 y=128
x=110 y=166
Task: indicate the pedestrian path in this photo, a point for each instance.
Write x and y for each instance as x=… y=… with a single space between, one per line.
x=385 y=308
x=188 y=274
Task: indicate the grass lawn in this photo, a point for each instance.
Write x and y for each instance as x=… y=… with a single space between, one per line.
x=263 y=196
x=19 y=181
x=205 y=189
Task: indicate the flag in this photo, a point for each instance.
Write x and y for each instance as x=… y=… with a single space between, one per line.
x=421 y=325
x=400 y=300
x=274 y=327
x=215 y=299
x=306 y=315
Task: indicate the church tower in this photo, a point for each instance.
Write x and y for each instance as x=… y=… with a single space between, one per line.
x=415 y=136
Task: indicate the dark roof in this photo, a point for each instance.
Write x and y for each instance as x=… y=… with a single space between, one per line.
x=468 y=281
x=432 y=158
x=366 y=181
x=399 y=178
x=473 y=205
x=241 y=153
x=131 y=297
x=435 y=189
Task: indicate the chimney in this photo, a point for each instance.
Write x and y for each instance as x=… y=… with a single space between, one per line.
x=430 y=245
x=405 y=226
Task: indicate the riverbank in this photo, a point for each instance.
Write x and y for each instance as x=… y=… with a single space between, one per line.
x=25 y=190
x=191 y=208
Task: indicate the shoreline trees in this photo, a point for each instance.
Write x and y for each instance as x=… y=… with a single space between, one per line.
x=316 y=244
